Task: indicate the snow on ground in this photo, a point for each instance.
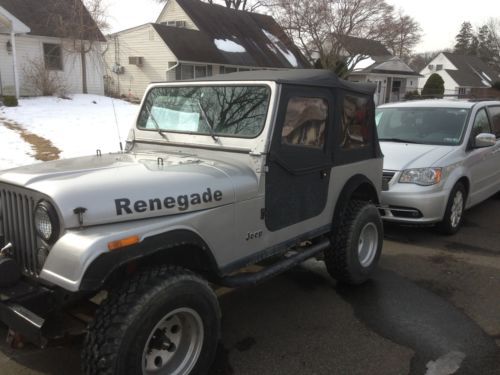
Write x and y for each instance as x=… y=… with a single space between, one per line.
x=227 y=45
x=13 y=150
x=77 y=127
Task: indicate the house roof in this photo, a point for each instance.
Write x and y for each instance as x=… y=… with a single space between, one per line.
x=471 y=71
x=303 y=77
x=363 y=46
x=243 y=38
x=390 y=65
x=39 y=16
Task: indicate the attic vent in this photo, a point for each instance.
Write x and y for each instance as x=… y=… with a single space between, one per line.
x=175 y=23
x=135 y=60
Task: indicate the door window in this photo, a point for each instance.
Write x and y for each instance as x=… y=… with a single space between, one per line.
x=481 y=123
x=356 y=130
x=305 y=122
x=495 y=120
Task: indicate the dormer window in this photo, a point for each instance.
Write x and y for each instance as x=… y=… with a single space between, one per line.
x=175 y=23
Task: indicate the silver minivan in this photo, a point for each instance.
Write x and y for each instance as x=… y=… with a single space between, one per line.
x=441 y=157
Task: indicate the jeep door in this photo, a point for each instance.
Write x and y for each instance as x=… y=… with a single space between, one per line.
x=299 y=161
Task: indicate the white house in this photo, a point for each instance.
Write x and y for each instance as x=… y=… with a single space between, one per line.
x=193 y=39
x=28 y=37
x=461 y=74
x=374 y=63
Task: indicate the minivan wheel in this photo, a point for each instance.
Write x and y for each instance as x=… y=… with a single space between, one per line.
x=356 y=243
x=454 y=213
x=163 y=321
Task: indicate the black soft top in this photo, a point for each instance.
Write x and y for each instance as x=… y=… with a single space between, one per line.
x=305 y=77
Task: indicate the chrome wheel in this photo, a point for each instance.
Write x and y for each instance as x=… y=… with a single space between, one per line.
x=457 y=209
x=367 y=245
x=174 y=345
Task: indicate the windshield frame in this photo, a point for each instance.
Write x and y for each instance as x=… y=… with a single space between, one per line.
x=187 y=84
x=460 y=141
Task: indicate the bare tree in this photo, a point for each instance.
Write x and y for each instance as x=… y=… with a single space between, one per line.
x=400 y=34
x=319 y=27
x=79 y=23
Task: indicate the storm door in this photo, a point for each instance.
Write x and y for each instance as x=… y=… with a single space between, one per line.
x=299 y=161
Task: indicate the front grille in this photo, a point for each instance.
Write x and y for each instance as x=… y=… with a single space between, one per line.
x=17 y=212
x=386 y=178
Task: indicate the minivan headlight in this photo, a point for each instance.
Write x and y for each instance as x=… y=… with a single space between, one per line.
x=46 y=222
x=421 y=176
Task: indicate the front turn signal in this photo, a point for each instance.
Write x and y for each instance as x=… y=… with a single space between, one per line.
x=123 y=242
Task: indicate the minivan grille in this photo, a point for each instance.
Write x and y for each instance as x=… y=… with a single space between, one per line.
x=17 y=218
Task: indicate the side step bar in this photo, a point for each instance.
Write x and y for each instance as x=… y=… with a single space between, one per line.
x=252 y=278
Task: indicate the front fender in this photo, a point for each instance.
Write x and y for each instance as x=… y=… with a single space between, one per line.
x=72 y=261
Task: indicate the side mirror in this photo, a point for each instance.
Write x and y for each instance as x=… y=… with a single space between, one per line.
x=485 y=140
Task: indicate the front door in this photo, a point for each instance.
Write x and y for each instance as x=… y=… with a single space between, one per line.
x=299 y=161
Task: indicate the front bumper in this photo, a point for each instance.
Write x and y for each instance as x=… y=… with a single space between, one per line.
x=23 y=307
x=407 y=203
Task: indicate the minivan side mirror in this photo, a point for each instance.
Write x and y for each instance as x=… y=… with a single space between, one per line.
x=485 y=140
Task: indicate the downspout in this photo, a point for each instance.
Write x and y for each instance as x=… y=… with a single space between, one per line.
x=14 y=56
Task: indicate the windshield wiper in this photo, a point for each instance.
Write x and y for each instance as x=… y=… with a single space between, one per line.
x=160 y=131
x=399 y=140
x=207 y=123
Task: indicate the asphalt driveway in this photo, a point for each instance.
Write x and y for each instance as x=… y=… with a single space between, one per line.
x=433 y=308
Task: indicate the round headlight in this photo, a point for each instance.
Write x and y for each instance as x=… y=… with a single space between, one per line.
x=46 y=221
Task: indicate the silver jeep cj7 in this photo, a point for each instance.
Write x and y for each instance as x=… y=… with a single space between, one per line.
x=218 y=174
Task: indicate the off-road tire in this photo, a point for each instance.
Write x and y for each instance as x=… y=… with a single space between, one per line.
x=341 y=258
x=447 y=226
x=123 y=323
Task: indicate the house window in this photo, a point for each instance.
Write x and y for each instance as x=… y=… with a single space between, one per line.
x=431 y=67
x=175 y=23
x=227 y=69
x=191 y=71
x=305 y=122
x=439 y=67
x=462 y=91
x=356 y=130
x=52 y=54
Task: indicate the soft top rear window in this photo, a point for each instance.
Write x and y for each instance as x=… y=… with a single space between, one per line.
x=234 y=111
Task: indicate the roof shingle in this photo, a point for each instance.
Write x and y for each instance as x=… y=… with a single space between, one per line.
x=471 y=71
x=40 y=17
x=216 y=22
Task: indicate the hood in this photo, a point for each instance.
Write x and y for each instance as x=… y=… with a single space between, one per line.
x=121 y=187
x=399 y=156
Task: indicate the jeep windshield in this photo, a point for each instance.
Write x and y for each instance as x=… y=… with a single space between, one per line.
x=230 y=111
x=431 y=126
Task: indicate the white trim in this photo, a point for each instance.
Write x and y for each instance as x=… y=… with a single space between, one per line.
x=17 y=27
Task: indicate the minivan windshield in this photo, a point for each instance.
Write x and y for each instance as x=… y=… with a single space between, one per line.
x=237 y=111
x=424 y=125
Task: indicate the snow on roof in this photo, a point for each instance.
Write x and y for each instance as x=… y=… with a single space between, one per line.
x=486 y=83
x=487 y=77
x=227 y=45
x=361 y=62
x=278 y=44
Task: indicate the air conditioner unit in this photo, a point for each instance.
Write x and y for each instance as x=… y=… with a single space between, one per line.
x=118 y=69
x=135 y=60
